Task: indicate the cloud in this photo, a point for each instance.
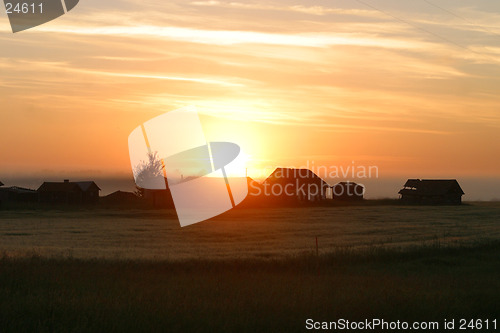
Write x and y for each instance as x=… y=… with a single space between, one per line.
x=65 y=68
x=311 y=10
x=229 y=37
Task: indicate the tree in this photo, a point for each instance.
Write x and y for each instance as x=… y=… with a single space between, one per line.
x=149 y=174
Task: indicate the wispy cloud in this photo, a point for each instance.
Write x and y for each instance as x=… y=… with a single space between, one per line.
x=311 y=10
x=64 y=67
x=229 y=37
x=161 y=77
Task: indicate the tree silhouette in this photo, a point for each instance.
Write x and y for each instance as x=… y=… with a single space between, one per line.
x=149 y=174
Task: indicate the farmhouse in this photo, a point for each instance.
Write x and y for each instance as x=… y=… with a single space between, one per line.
x=69 y=192
x=348 y=191
x=432 y=191
x=289 y=184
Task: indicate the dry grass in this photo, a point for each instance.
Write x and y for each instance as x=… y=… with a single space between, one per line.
x=423 y=284
x=243 y=233
x=248 y=270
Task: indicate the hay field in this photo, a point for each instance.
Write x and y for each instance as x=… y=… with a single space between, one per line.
x=241 y=233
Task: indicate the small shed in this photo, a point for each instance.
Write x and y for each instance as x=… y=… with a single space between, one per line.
x=432 y=191
x=120 y=198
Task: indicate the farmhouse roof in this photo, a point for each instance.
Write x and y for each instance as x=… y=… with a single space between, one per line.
x=85 y=186
x=431 y=187
x=287 y=175
x=252 y=181
x=67 y=186
x=121 y=195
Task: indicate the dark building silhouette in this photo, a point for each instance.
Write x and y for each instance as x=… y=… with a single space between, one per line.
x=255 y=195
x=120 y=198
x=17 y=194
x=432 y=191
x=254 y=187
x=158 y=198
x=1 y=184
x=289 y=184
x=348 y=191
x=69 y=192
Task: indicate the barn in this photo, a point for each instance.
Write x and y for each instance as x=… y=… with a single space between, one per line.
x=290 y=184
x=432 y=191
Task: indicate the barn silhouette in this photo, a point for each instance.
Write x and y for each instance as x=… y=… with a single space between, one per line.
x=432 y=191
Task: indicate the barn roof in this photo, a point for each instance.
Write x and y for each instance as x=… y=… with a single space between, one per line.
x=287 y=175
x=251 y=181
x=85 y=186
x=253 y=186
x=67 y=186
x=120 y=197
x=431 y=187
x=412 y=183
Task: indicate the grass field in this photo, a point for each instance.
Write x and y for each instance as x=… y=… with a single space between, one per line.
x=242 y=233
x=248 y=270
x=426 y=284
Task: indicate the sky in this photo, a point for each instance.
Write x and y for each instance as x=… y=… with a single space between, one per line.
x=411 y=87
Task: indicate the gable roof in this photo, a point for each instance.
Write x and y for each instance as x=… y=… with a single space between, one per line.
x=1 y=184
x=431 y=187
x=68 y=186
x=254 y=187
x=251 y=181
x=85 y=186
x=121 y=194
x=120 y=197
x=291 y=175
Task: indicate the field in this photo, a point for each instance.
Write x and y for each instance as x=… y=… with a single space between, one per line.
x=248 y=270
x=242 y=233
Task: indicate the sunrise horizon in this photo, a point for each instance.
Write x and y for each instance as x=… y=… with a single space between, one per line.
x=249 y=166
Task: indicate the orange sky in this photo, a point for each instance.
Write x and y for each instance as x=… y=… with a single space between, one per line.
x=409 y=88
